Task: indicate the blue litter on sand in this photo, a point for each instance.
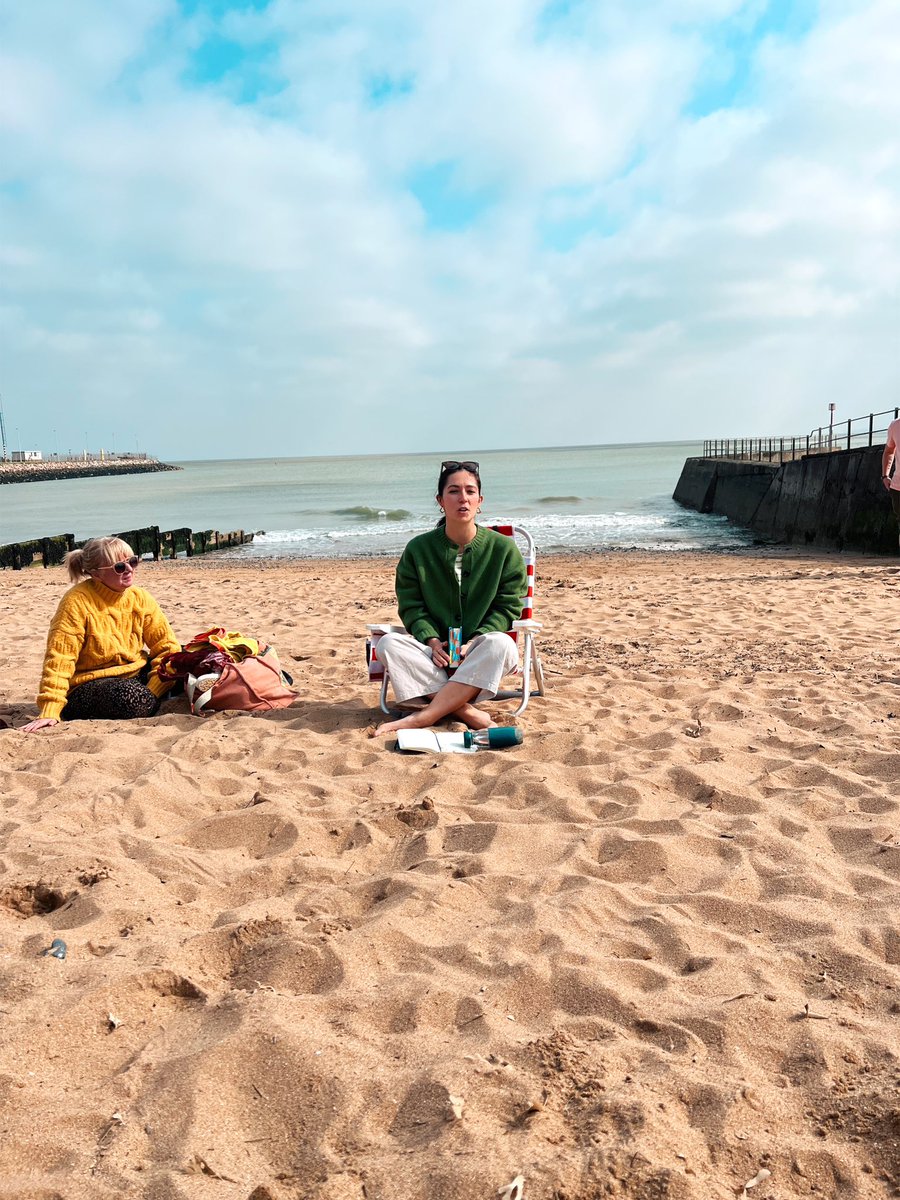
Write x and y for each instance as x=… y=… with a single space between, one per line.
x=57 y=949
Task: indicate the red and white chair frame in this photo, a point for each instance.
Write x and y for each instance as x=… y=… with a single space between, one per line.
x=523 y=632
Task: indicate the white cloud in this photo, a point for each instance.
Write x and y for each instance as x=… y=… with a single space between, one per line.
x=726 y=273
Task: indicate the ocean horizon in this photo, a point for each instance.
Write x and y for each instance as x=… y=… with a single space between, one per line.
x=571 y=498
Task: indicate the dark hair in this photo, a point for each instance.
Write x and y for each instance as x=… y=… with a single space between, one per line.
x=449 y=469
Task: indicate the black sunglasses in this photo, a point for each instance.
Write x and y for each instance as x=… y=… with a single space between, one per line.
x=452 y=465
x=121 y=567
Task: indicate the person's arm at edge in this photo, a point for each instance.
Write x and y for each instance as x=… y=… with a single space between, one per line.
x=887 y=459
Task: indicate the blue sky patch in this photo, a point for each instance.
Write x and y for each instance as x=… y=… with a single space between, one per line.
x=221 y=8
x=247 y=69
x=791 y=19
x=558 y=16
x=563 y=234
x=14 y=189
x=728 y=80
x=448 y=205
x=382 y=89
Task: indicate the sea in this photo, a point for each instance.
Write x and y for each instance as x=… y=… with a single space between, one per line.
x=578 y=498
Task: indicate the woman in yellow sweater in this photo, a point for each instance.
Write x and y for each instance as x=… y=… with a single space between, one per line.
x=105 y=642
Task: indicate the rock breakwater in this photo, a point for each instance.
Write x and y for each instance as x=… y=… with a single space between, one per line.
x=34 y=472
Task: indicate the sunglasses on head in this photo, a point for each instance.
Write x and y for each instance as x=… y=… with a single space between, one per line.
x=452 y=465
x=121 y=567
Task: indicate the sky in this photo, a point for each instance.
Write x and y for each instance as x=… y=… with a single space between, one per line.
x=239 y=228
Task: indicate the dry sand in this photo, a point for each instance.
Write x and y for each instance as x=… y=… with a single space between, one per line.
x=647 y=954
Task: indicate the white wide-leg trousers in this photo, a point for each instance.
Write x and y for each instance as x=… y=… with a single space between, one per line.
x=490 y=656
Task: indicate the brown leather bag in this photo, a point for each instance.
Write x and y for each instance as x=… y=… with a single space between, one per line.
x=255 y=684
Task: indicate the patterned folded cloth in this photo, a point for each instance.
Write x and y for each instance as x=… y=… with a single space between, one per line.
x=204 y=660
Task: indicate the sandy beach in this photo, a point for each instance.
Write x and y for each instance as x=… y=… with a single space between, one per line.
x=651 y=953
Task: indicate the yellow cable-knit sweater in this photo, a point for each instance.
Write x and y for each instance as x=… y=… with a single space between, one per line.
x=98 y=633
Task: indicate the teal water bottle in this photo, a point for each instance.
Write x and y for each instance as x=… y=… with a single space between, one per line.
x=493 y=739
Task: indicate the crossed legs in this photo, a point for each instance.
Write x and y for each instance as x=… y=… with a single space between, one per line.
x=453 y=698
x=412 y=672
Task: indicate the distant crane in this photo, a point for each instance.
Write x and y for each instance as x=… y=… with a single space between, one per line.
x=2 y=432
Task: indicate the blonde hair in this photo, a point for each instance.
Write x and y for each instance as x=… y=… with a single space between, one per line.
x=98 y=552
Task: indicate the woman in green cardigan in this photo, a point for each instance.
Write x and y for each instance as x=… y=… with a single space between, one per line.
x=459 y=575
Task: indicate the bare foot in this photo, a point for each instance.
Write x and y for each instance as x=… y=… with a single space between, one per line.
x=474 y=717
x=468 y=714
x=413 y=721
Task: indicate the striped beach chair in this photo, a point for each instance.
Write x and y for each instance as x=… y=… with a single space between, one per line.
x=523 y=632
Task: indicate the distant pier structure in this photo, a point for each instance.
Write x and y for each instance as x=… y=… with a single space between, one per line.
x=26 y=467
x=822 y=489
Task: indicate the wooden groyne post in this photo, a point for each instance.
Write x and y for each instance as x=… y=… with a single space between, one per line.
x=146 y=541
x=51 y=549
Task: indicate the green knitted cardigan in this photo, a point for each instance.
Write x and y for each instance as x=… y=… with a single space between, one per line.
x=487 y=599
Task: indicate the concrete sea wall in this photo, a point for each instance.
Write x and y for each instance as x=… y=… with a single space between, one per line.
x=834 y=500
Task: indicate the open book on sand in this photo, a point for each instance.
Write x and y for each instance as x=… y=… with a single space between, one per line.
x=424 y=741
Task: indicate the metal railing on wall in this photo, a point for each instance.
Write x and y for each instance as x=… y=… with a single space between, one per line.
x=847 y=435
